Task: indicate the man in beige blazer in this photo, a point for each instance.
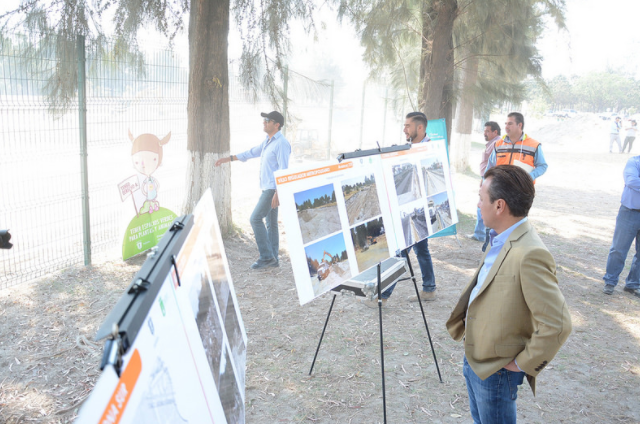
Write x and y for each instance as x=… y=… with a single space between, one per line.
x=511 y=315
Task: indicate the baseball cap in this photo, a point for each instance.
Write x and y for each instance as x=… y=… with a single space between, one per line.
x=275 y=115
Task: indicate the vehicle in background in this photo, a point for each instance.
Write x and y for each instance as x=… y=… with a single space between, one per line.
x=605 y=116
x=569 y=113
x=305 y=144
x=564 y=113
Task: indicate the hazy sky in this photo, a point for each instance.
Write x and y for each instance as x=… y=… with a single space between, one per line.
x=600 y=34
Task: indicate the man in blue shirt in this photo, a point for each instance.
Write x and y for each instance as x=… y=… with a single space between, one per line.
x=627 y=230
x=274 y=154
x=614 y=135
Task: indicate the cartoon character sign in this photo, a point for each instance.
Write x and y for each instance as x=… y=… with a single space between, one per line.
x=146 y=154
x=151 y=221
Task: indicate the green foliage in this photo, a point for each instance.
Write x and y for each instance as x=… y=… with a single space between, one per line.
x=593 y=92
x=499 y=34
x=317 y=202
x=264 y=29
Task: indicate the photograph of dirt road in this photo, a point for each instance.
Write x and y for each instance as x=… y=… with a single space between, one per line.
x=435 y=223
x=317 y=212
x=328 y=263
x=405 y=178
x=414 y=225
x=209 y=325
x=370 y=243
x=439 y=211
x=433 y=175
x=361 y=198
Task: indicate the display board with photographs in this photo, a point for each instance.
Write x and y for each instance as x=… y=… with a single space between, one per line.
x=420 y=195
x=187 y=362
x=344 y=218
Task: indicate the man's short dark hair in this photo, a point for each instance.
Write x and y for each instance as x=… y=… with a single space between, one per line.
x=418 y=117
x=514 y=185
x=518 y=117
x=494 y=126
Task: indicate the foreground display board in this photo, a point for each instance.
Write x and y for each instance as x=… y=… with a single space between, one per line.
x=344 y=218
x=186 y=363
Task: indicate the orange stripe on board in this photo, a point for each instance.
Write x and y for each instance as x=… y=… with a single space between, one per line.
x=118 y=402
x=313 y=172
x=415 y=148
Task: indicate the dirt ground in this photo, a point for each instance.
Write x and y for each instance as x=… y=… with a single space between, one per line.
x=49 y=362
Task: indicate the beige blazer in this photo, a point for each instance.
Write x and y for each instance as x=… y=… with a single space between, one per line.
x=518 y=313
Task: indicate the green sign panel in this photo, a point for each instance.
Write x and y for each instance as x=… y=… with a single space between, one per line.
x=145 y=231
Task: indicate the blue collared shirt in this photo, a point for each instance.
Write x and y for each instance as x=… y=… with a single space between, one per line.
x=539 y=163
x=497 y=241
x=631 y=192
x=426 y=139
x=274 y=155
x=615 y=127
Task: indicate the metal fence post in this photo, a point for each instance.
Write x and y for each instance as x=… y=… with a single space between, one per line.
x=286 y=87
x=82 y=124
x=330 y=121
x=364 y=86
x=384 y=120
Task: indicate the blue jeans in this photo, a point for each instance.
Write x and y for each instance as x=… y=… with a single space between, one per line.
x=421 y=250
x=480 y=230
x=267 y=239
x=627 y=229
x=492 y=401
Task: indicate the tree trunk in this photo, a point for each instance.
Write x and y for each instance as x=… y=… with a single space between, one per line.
x=208 y=133
x=464 y=115
x=438 y=73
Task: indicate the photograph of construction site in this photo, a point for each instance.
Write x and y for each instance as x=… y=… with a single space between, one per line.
x=369 y=243
x=405 y=178
x=328 y=263
x=317 y=212
x=439 y=211
x=414 y=224
x=361 y=198
x=433 y=175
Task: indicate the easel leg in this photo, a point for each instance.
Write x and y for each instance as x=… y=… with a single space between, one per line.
x=384 y=397
x=321 y=336
x=415 y=285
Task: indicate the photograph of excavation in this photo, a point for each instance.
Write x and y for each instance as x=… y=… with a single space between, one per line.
x=405 y=178
x=361 y=198
x=370 y=243
x=441 y=217
x=414 y=225
x=317 y=212
x=328 y=263
x=433 y=175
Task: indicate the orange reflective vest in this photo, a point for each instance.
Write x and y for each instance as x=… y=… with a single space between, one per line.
x=524 y=151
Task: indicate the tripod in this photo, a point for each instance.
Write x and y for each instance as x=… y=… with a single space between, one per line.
x=379 y=279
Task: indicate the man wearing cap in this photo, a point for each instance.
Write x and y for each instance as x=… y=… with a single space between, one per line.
x=415 y=131
x=274 y=154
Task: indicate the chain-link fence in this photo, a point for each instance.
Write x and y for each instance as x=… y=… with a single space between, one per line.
x=43 y=165
x=41 y=189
